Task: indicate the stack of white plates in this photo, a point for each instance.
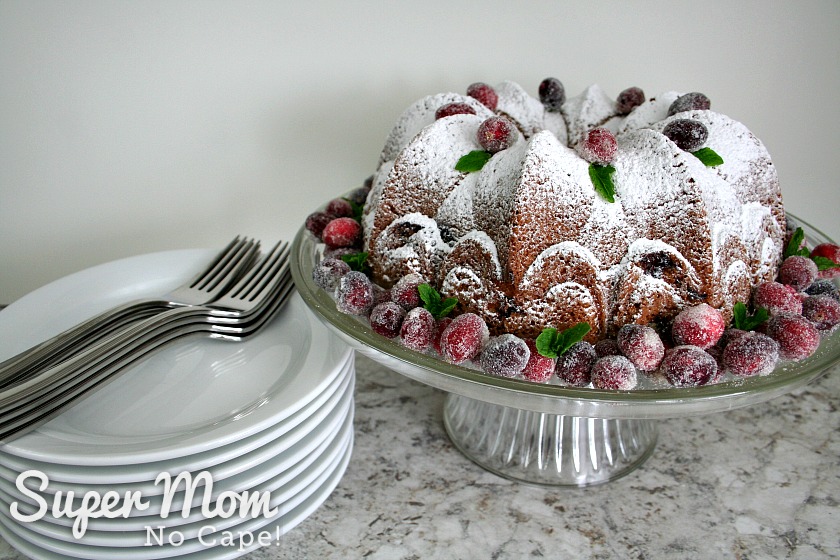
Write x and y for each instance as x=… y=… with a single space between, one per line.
x=260 y=432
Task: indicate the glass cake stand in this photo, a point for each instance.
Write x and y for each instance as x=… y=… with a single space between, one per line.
x=552 y=434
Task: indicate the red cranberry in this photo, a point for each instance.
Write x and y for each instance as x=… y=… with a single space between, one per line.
x=629 y=99
x=552 y=94
x=613 y=372
x=687 y=134
x=607 y=347
x=701 y=325
x=317 y=221
x=339 y=208
x=798 y=273
x=405 y=291
x=386 y=319
x=328 y=272
x=539 y=368
x=496 y=134
x=342 y=232
x=751 y=354
x=831 y=252
x=418 y=329
x=359 y=196
x=464 y=338
x=798 y=338
x=338 y=252
x=575 y=365
x=354 y=294
x=456 y=108
x=484 y=93
x=689 y=102
x=688 y=366
x=440 y=326
x=823 y=311
x=823 y=287
x=598 y=146
x=505 y=356
x=641 y=345
x=380 y=294
x=777 y=298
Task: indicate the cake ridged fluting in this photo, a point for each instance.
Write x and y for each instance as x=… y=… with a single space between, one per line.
x=526 y=242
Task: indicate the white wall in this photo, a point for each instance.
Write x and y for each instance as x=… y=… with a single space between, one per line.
x=132 y=127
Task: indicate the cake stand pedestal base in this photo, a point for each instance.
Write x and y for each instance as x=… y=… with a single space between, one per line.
x=547 y=449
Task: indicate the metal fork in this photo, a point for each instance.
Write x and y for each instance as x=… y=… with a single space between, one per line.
x=255 y=300
x=203 y=288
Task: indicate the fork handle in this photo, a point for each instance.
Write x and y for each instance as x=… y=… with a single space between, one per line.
x=76 y=339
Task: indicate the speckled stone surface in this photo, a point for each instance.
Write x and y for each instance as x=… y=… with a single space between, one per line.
x=754 y=483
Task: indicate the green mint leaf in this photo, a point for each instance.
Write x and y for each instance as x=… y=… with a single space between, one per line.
x=358 y=210
x=601 y=176
x=743 y=321
x=438 y=307
x=445 y=308
x=552 y=343
x=429 y=295
x=357 y=262
x=824 y=263
x=708 y=156
x=546 y=342
x=794 y=246
x=473 y=161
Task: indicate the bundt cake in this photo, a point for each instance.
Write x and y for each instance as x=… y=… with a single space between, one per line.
x=526 y=240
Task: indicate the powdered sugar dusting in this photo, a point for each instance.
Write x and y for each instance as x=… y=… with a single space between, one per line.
x=527 y=240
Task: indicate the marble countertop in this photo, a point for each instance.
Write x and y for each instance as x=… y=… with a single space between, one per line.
x=758 y=482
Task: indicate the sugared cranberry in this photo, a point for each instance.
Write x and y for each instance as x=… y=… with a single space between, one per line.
x=342 y=232
x=823 y=311
x=328 y=272
x=798 y=338
x=359 y=196
x=689 y=102
x=824 y=287
x=539 y=368
x=339 y=208
x=776 y=298
x=687 y=134
x=688 y=366
x=464 y=338
x=317 y=221
x=338 y=252
x=440 y=326
x=484 y=93
x=575 y=365
x=598 y=146
x=405 y=291
x=701 y=325
x=380 y=294
x=354 y=294
x=418 y=329
x=831 y=252
x=552 y=94
x=496 y=134
x=607 y=347
x=613 y=372
x=798 y=273
x=386 y=319
x=456 y=108
x=750 y=354
x=505 y=355
x=641 y=345
x=629 y=99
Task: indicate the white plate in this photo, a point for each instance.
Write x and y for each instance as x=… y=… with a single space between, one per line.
x=197 y=395
x=223 y=461
x=293 y=513
x=275 y=459
x=283 y=488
